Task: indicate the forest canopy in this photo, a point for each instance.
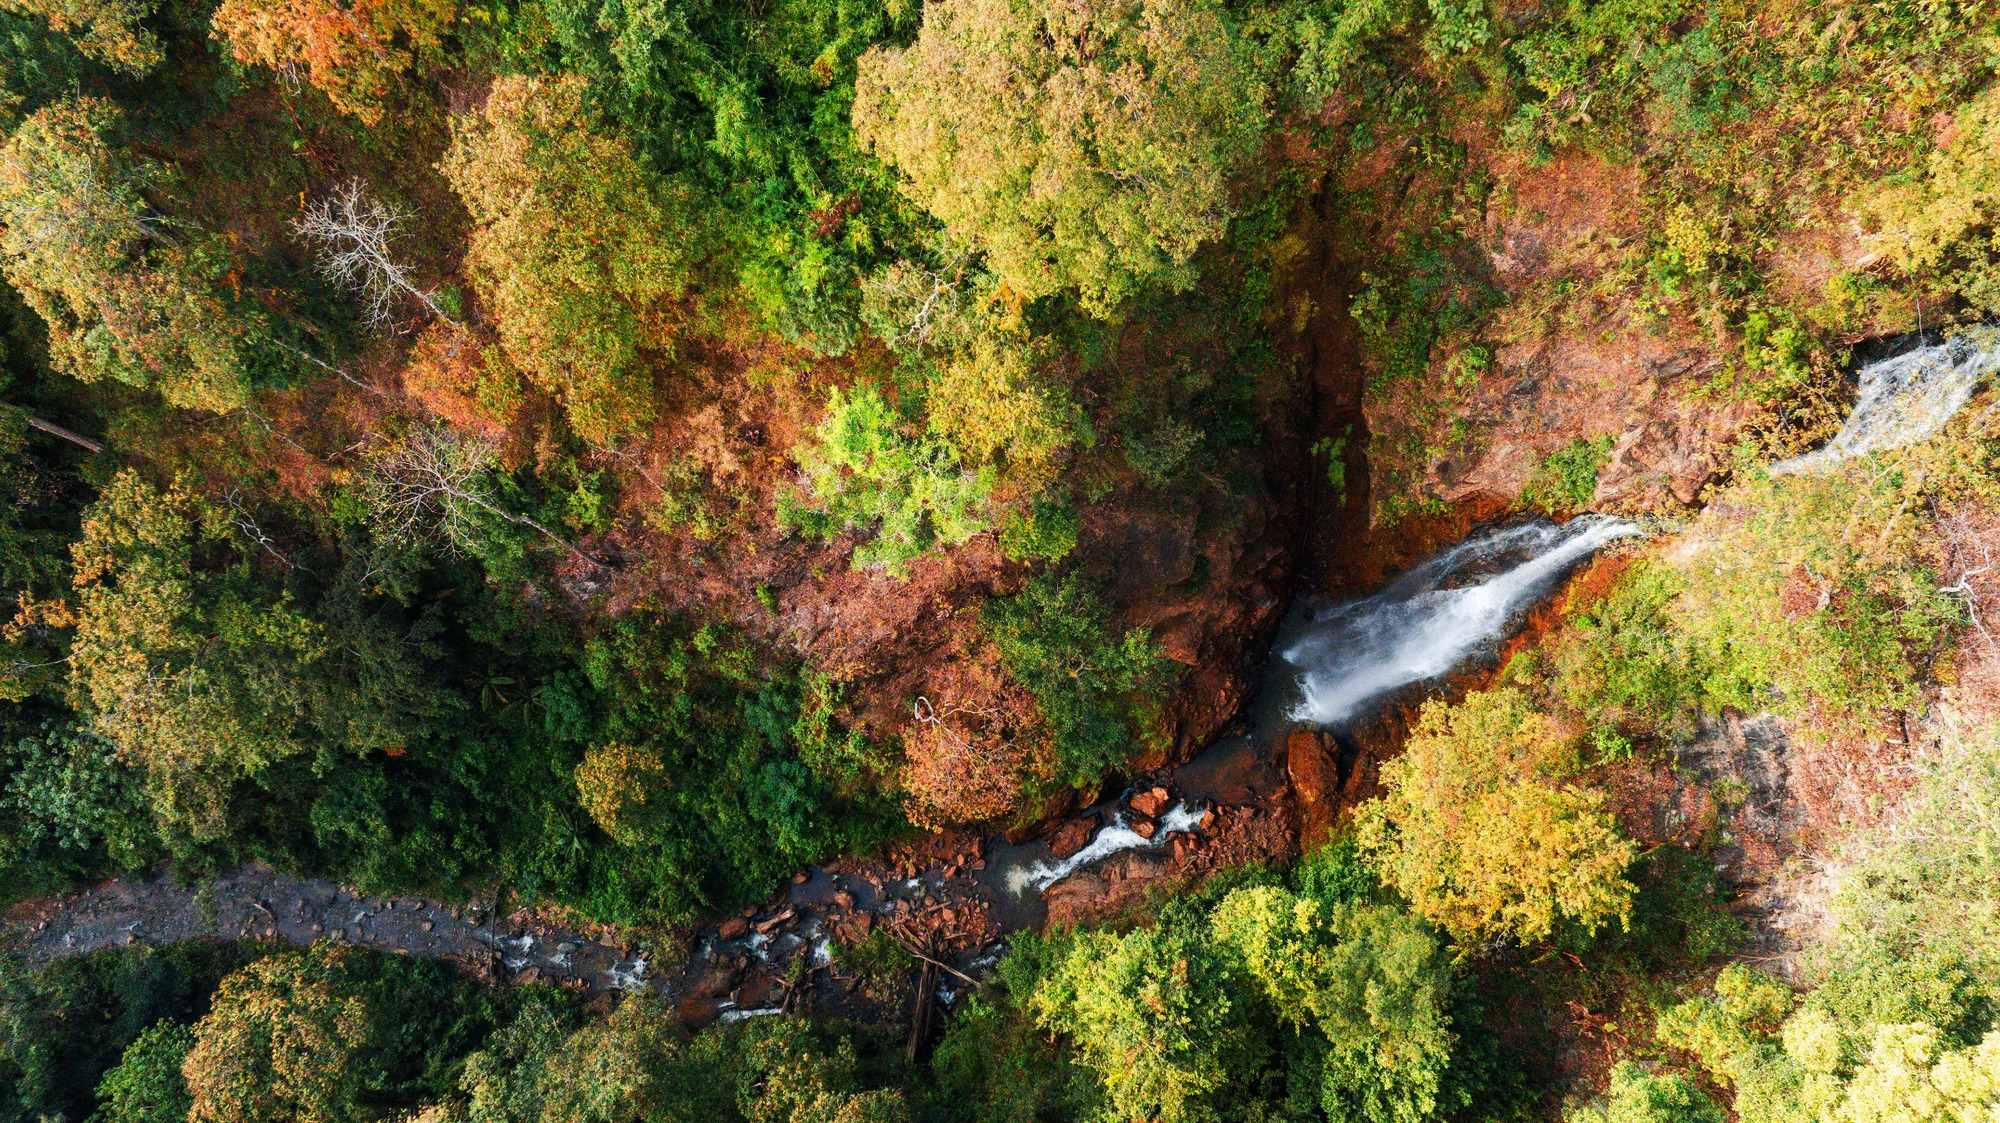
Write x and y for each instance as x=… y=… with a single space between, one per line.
x=784 y=495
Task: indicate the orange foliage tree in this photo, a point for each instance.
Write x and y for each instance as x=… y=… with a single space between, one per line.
x=350 y=53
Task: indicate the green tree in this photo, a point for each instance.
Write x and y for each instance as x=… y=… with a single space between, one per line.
x=1083 y=147
x=109 y=31
x=1098 y=694
x=1370 y=977
x=578 y=251
x=206 y=674
x=1641 y=1097
x=1151 y=1013
x=332 y=1033
x=196 y=691
x=124 y=293
x=747 y=107
x=67 y=1024
x=147 y=1086
x=70 y=809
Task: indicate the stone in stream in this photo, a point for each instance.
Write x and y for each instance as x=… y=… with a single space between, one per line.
x=1152 y=802
x=1071 y=837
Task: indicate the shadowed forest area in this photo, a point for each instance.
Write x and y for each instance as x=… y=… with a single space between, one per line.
x=615 y=468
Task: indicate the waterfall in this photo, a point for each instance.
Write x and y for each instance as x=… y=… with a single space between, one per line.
x=1437 y=615
x=1906 y=398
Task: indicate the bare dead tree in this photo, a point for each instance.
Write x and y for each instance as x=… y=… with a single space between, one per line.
x=351 y=233
x=433 y=484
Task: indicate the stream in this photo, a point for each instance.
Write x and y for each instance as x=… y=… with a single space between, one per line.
x=1333 y=662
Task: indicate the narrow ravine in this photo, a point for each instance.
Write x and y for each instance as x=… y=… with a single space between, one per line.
x=952 y=897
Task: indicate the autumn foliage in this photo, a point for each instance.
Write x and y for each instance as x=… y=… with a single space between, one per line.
x=351 y=53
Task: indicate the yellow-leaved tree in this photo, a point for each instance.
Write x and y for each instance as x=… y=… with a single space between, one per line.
x=352 y=53
x=106 y=30
x=1482 y=836
x=578 y=251
x=1083 y=145
x=125 y=295
x=1944 y=222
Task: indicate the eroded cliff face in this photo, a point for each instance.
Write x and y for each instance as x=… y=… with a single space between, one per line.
x=1574 y=349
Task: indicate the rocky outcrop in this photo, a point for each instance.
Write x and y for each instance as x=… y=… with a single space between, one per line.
x=1312 y=764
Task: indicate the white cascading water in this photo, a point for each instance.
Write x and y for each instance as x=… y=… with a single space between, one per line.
x=1906 y=398
x=1436 y=616
x=1116 y=836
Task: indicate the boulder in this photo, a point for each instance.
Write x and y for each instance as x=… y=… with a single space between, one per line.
x=1071 y=837
x=1152 y=802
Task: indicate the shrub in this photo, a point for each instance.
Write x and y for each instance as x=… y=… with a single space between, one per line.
x=992 y=405
x=1045 y=529
x=1565 y=480
x=1636 y=1096
x=1941 y=223
x=147 y=1086
x=912 y=492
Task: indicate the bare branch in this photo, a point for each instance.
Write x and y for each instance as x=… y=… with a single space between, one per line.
x=431 y=483
x=55 y=430
x=351 y=233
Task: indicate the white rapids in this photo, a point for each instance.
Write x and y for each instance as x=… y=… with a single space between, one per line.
x=1421 y=626
x=1117 y=836
x=1906 y=398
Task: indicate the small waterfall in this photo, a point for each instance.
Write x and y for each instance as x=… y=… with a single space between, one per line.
x=1437 y=615
x=1116 y=836
x=1906 y=398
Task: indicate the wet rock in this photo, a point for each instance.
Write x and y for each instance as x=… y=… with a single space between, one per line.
x=733 y=927
x=714 y=984
x=1151 y=803
x=1144 y=828
x=698 y=1012
x=759 y=990
x=1071 y=837
x=772 y=922
x=1310 y=763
